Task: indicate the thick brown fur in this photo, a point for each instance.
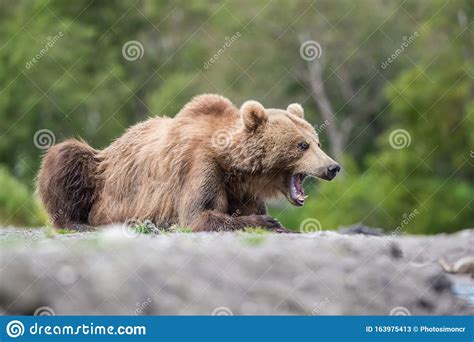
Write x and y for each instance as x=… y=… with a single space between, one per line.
x=66 y=182
x=210 y=168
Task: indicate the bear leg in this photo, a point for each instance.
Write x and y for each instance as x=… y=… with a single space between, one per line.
x=213 y=220
x=66 y=183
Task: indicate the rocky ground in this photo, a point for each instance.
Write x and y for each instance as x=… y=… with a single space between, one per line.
x=325 y=273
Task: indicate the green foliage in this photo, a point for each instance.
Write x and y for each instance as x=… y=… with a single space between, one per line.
x=168 y=101
x=252 y=230
x=184 y=230
x=253 y=236
x=84 y=87
x=18 y=206
x=143 y=227
x=429 y=176
x=65 y=231
x=380 y=197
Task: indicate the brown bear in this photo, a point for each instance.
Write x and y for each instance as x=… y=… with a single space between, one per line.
x=210 y=168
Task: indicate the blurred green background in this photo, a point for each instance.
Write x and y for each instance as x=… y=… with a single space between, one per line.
x=390 y=90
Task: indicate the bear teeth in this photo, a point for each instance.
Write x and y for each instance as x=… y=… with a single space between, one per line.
x=296 y=188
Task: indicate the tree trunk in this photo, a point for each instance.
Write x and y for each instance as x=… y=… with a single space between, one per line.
x=335 y=133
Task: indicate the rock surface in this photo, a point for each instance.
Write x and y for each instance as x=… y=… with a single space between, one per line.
x=117 y=273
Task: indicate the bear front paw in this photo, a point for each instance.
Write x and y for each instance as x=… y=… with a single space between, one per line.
x=270 y=223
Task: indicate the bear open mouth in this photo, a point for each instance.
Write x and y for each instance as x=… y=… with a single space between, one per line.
x=296 y=195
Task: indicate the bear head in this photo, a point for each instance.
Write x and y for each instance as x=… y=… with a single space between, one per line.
x=281 y=146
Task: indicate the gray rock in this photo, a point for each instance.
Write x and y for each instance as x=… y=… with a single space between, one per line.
x=119 y=272
x=361 y=229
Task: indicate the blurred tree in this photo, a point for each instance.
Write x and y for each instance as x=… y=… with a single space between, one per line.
x=82 y=85
x=425 y=158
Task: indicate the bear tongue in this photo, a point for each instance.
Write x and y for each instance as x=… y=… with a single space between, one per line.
x=297 y=190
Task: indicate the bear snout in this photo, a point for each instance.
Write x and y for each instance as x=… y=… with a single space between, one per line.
x=332 y=171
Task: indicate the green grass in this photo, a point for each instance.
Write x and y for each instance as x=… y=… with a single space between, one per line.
x=255 y=230
x=143 y=229
x=182 y=230
x=64 y=231
x=253 y=236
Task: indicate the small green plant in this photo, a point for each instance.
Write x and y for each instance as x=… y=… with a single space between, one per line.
x=255 y=230
x=182 y=230
x=64 y=231
x=254 y=236
x=144 y=228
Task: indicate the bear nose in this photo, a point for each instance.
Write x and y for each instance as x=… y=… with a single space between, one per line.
x=333 y=169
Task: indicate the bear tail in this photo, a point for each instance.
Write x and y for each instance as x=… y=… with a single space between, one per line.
x=66 y=182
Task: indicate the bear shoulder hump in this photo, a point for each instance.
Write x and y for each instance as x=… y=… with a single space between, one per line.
x=208 y=104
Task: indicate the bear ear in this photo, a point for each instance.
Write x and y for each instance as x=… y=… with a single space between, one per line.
x=296 y=109
x=253 y=114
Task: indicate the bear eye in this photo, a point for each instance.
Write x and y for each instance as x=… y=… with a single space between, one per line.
x=319 y=144
x=303 y=146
